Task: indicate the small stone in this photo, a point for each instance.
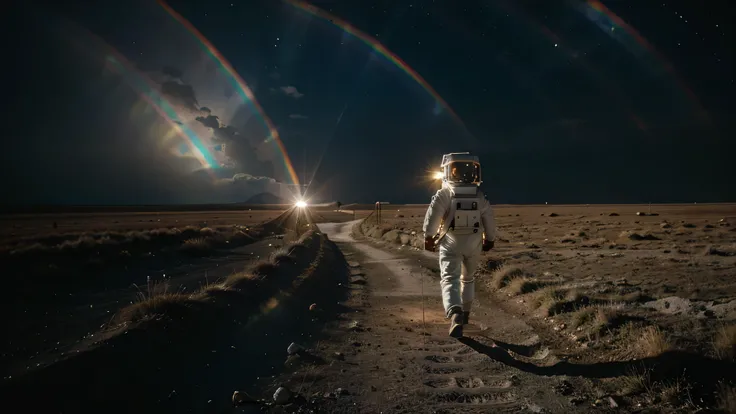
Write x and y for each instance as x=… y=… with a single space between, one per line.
x=612 y=402
x=294 y=349
x=282 y=396
x=341 y=392
x=242 y=398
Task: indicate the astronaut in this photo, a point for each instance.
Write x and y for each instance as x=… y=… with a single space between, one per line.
x=453 y=220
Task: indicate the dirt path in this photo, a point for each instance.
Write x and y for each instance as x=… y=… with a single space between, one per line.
x=391 y=352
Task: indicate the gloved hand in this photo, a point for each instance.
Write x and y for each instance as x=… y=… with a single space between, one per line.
x=487 y=245
x=429 y=244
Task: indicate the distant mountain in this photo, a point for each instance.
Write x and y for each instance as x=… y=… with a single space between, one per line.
x=266 y=198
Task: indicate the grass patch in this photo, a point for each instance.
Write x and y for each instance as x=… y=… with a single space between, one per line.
x=546 y=298
x=724 y=342
x=505 y=274
x=651 y=342
x=727 y=399
x=263 y=280
x=198 y=246
x=636 y=382
x=522 y=285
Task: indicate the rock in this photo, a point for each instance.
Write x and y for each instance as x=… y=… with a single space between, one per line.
x=553 y=214
x=392 y=236
x=358 y=280
x=313 y=307
x=282 y=395
x=339 y=356
x=613 y=215
x=341 y=392
x=405 y=239
x=238 y=398
x=612 y=402
x=665 y=225
x=294 y=349
x=353 y=264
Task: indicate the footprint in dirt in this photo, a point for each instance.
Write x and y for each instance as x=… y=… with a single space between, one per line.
x=453 y=380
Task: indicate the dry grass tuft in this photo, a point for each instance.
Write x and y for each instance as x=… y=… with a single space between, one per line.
x=152 y=302
x=676 y=393
x=583 y=316
x=652 y=341
x=505 y=274
x=522 y=285
x=548 y=298
x=198 y=246
x=636 y=382
x=724 y=342
x=727 y=399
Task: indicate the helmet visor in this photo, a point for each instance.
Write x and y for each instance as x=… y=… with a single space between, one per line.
x=464 y=172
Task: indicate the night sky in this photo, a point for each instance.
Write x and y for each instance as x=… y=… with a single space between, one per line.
x=197 y=102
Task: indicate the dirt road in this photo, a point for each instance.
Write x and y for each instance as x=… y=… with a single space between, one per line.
x=392 y=353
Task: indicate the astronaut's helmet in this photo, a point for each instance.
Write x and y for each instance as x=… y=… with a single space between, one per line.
x=461 y=169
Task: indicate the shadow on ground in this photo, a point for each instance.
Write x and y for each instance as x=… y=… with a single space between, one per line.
x=705 y=374
x=194 y=361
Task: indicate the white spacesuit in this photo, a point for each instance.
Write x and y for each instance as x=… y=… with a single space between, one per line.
x=454 y=220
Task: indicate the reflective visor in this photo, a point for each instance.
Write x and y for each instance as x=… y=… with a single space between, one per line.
x=464 y=172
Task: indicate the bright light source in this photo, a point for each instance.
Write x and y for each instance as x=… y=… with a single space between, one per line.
x=438 y=175
x=301 y=204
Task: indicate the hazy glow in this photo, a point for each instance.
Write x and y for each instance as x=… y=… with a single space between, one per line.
x=301 y=204
x=438 y=175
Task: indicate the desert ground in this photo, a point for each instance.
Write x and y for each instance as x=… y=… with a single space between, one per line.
x=578 y=309
x=67 y=274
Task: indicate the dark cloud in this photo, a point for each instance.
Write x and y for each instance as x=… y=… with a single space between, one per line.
x=291 y=91
x=210 y=121
x=180 y=93
x=116 y=155
x=172 y=72
x=242 y=149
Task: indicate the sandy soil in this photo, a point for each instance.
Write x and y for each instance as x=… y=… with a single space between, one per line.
x=50 y=313
x=392 y=353
x=601 y=322
x=579 y=309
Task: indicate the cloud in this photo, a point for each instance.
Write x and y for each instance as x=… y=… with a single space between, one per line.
x=127 y=154
x=172 y=72
x=298 y=116
x=242 y=147
x=181 y=93
x=291 y=91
